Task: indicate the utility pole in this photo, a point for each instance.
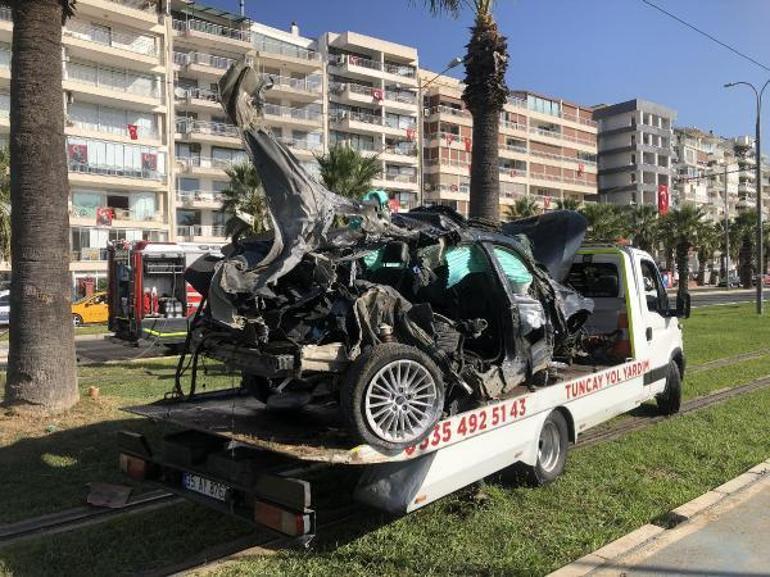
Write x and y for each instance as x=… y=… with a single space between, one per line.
x=758 y=154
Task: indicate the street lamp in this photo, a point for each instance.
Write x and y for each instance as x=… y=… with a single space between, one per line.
x=758 y=154
x=454 y=63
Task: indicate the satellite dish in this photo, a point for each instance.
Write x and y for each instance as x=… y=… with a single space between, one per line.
x=180 y=92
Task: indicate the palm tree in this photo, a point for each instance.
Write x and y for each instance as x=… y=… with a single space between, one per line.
x=5 y=205
x=685 y=223
x=41 y=358
x=643 y=225
x=521 y=208
x=568 y=204
x=745 y=227
x=605 y=222
x=244 y=194
x=347 y=172
x=485 y=93
x=708 y=242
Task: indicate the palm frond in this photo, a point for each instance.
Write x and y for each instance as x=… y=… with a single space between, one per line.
x=346 y=172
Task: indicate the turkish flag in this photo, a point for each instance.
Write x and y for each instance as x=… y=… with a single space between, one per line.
x=104 y=216
x=468 y=144
x=581 y=169
x=449 y=139
x=133 y=131
x=663 y=199
x=410 y=134
x=546 y=202
x=377 y=93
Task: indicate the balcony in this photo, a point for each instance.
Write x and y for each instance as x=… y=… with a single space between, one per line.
x=564 y=180
x=204 y=165
x=116 y=84
x=120 y=216
x=513 y=148
x=283 y=53
x=139 y=13
x=449 y=166
x=203 y=63
x=113 y=164
x=208 y=131
x=357 y=121
x=403 y=70
x=197 y=99
x=400 y=99
x=205 y=32
x=451 y=115
x=302 y=146
x=286 y=115
x=120 y=132
x=199 y=198
x=195 y=232
x=114 y=46
x=308 y=88
x=507 y=125
x=512 y=172
x=356 y=93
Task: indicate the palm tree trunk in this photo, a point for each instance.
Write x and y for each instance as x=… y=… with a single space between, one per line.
x=485 y=175
x=41 y=359
x=746 y=268
x=683 y=265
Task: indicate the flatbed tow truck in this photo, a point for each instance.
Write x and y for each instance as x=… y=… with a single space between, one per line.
x=233 y=454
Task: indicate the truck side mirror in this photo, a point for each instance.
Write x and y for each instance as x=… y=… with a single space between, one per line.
x=683 y=305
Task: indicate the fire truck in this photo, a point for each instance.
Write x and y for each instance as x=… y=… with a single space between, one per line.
x=147 y=295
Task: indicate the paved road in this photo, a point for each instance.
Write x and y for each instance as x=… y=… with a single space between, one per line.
x=702 y=298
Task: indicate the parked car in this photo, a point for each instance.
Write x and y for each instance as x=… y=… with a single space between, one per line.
x=91 y=309
x=5 y=307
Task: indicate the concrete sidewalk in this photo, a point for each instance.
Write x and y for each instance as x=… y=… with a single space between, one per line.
x=724 y=532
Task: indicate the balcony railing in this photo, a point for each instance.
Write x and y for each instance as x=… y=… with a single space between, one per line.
x=355 y=60
x=196 y=25
x=301 y=144
x=202 y=59
x=410 y=150
x=512 y=125
x=190 y=126
x=142 y=5
x=514 y=148
x=400 y=70
x=341 y=115
x=443 y=109
x=578 y=119
x=113 y=79
x=121 y=130
x=295 y=113
x=512 y=172
x=517 y=102
x=6 y=14
x=559 y=178
x=562 y=158
x=106 y=170
x=120 y=214
x=205 y=162
x=200 y=94
x=131 y=42
x=197 y=230
x=401 y=96
x=190 y=196
x=397 y=177
x=270 y=46
x=307 y=84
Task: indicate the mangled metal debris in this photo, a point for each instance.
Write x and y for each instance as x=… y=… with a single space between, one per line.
x=399 y=320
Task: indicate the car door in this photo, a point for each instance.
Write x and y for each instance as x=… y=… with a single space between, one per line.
x=657 y=326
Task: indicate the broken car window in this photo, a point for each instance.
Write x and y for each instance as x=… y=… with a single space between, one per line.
x=519 y=278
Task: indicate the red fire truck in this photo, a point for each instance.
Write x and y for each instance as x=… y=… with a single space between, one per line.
x=147 y=295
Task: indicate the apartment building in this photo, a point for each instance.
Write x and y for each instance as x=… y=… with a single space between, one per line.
x=547 y=147
x=635 y=151
x=372 y=107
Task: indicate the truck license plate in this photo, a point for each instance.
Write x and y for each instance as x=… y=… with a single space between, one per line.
x=204 y=486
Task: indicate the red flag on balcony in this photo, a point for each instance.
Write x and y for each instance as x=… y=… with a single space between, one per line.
x=104 y=216
x=468 y=144
x=449 y=139
x=546 y=202
x=133 y=131
x=410 y=132
x=581 y=169
x=377 y=93
x=663 y=199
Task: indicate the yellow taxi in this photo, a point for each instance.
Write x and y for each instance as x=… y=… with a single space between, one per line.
x=91 y=309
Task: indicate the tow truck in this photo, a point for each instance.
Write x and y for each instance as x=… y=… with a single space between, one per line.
x=231 y=452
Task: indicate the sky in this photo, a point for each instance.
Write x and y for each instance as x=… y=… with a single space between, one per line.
x=586 y=51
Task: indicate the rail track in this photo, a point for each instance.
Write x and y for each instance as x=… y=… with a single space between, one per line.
x=81 y=517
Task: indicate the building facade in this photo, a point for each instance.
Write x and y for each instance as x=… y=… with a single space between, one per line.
x=635 y=150
x=547 y=147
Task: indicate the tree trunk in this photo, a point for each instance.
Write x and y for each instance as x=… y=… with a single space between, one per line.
x=746 y=265
x=683 y=265
x=41 y=359
x=485 y=174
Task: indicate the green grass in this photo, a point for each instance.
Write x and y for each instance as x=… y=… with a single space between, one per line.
x=96 y=329
x=724 y=331
x=606 y=491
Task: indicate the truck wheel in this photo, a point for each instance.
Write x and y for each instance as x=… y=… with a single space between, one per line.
x=77 y=320
x=392 y=396
x=552 y=449
x=670 y=400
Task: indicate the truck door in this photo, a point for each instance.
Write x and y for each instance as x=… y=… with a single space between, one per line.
x=655 y=330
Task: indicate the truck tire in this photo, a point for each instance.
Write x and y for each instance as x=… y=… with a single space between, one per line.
x=392 y=396
x=552 y=447
x=670 y=400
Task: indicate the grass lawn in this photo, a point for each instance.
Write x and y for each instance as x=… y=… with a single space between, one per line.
x=608 y=489
x=79 y=331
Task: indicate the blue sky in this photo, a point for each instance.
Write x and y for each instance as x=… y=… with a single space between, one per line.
x=588 y=51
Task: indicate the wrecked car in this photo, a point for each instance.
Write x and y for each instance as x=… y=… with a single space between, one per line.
x=399 y=319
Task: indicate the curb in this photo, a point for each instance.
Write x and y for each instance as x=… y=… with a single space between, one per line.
x=648 y=533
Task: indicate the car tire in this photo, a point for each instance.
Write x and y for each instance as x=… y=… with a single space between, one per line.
x=552 y=447
x=77 y=320
x=670 y=400
x=392 y=381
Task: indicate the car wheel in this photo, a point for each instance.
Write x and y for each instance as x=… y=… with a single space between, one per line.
x=392 y=396
x=552 y=446
x=670 y=400
x=77 y=320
